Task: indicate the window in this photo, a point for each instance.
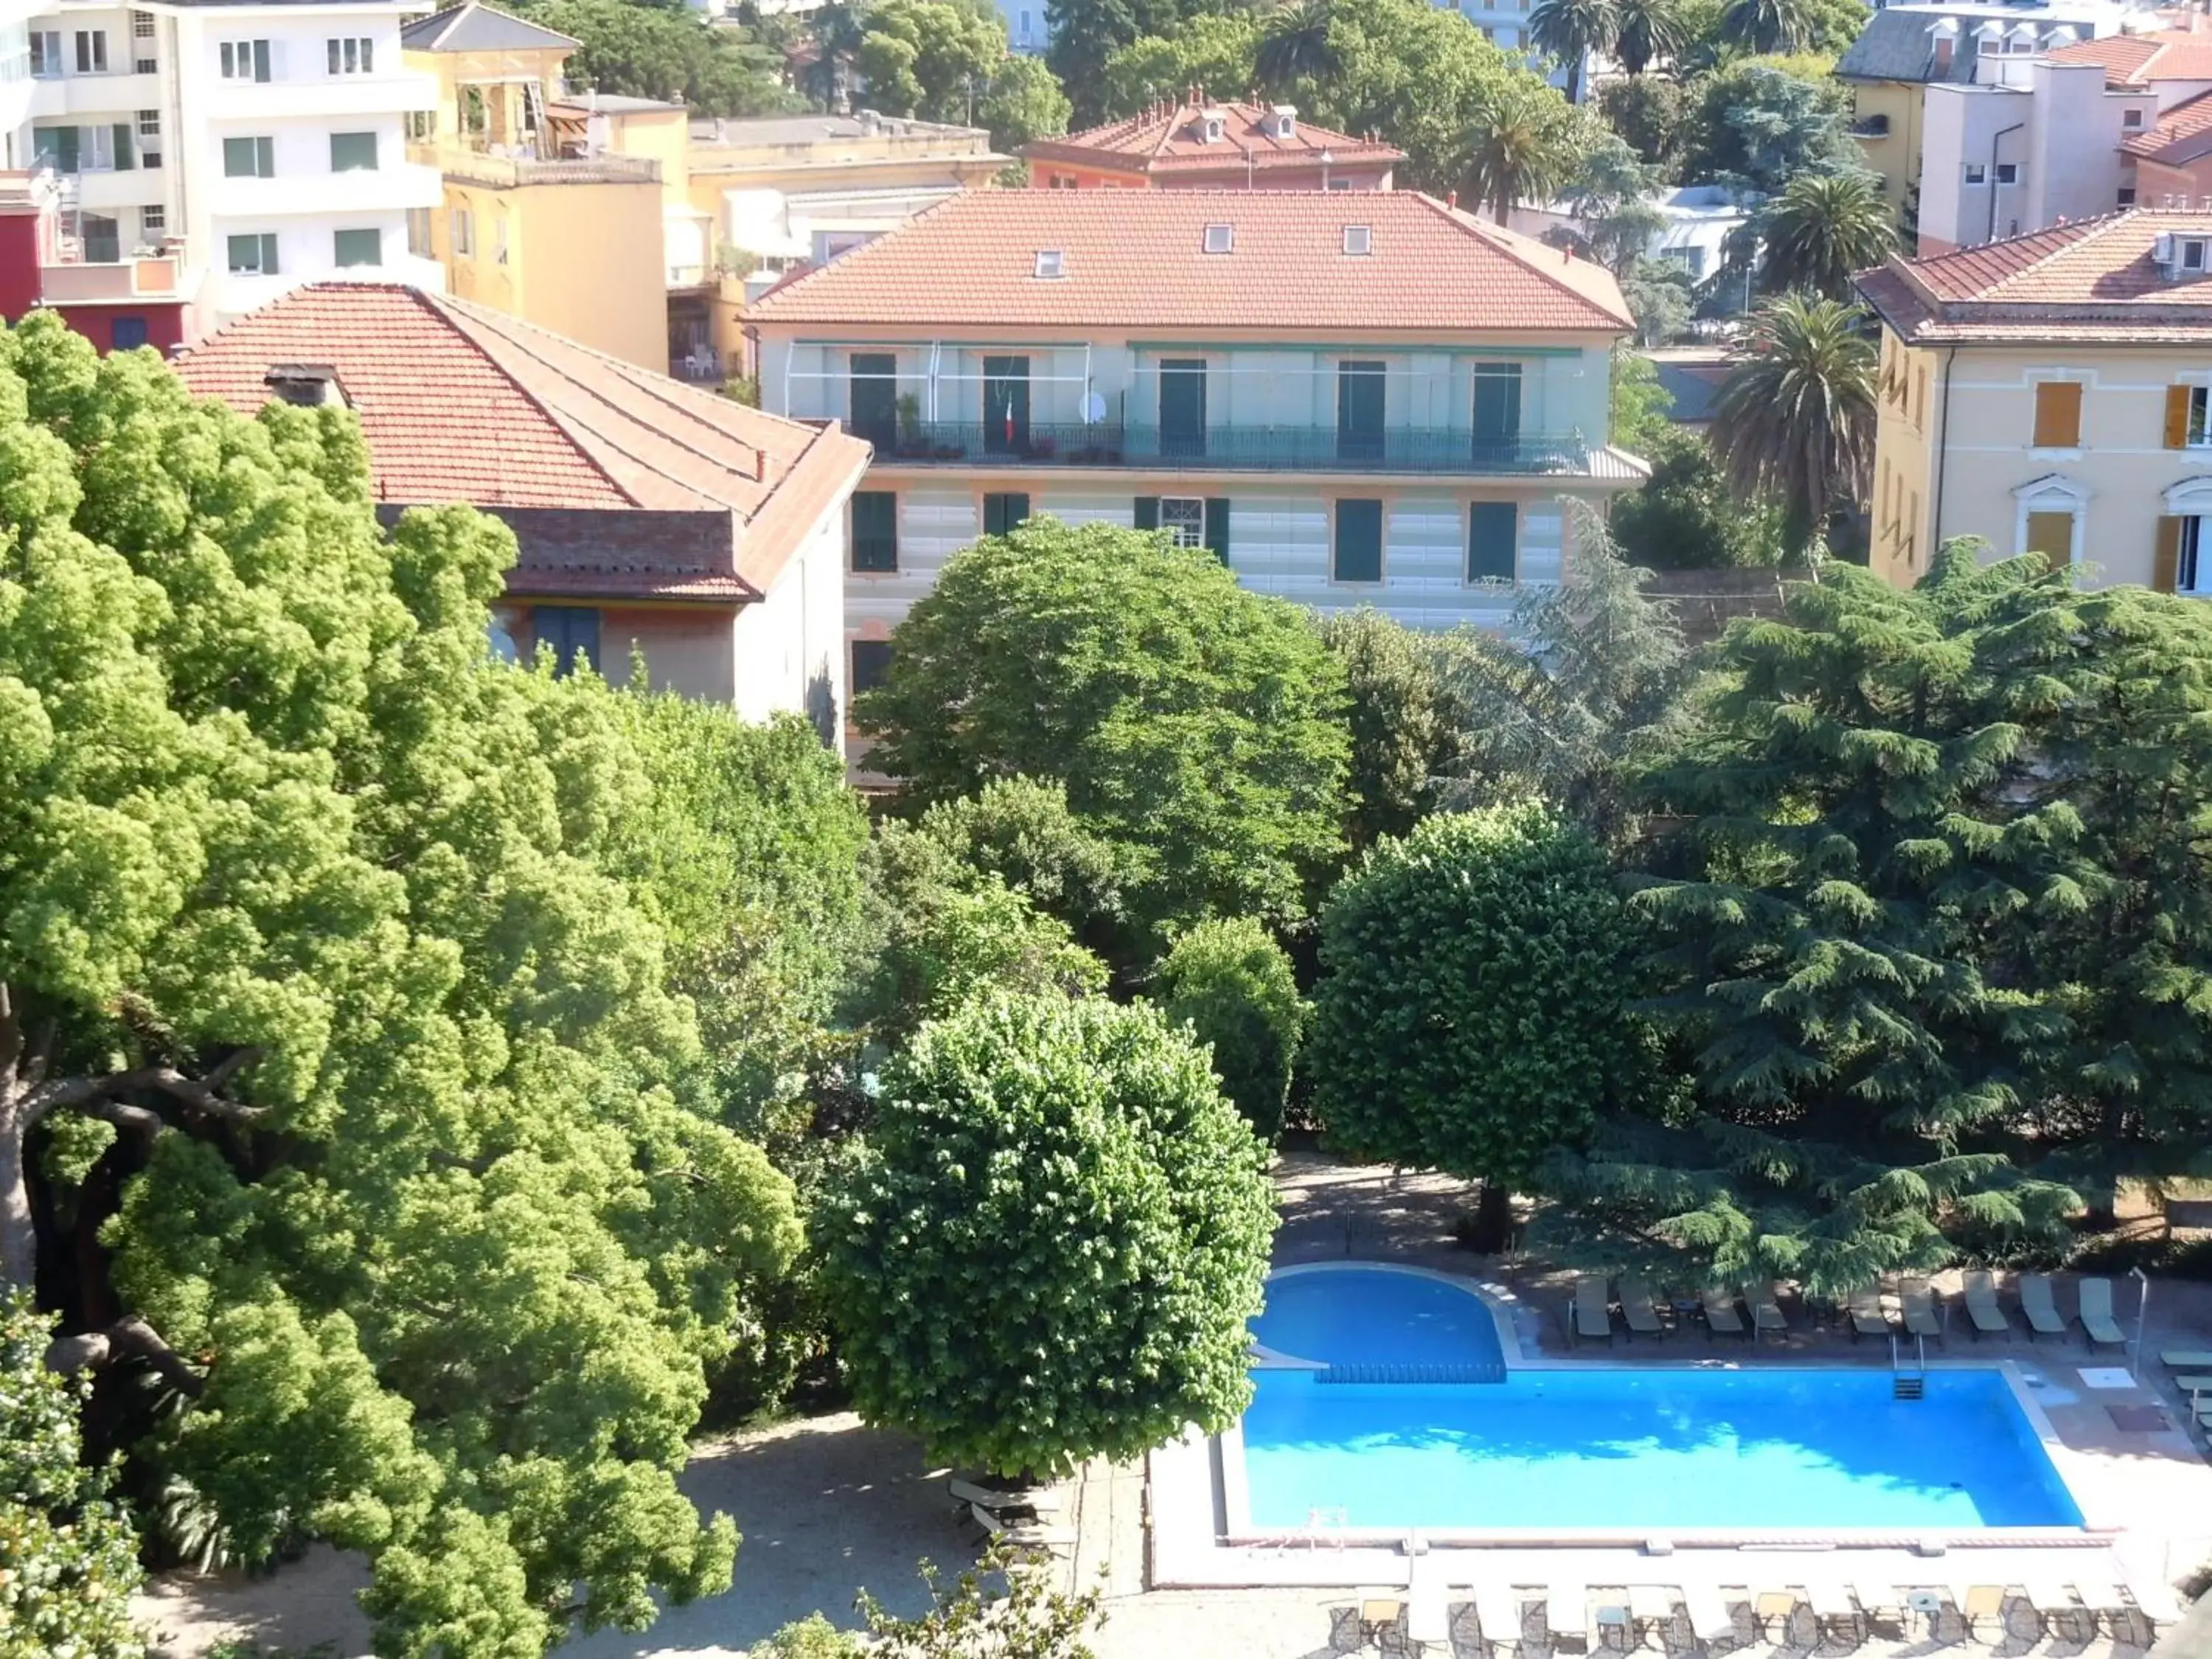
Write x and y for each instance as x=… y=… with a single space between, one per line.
x=153 y=222
x=142 y=25
x=1183 y=517
x=573 y=633
x=253 y=256
x=2131 y=119
x=2127 y=195
x=875 y=531
x=92 y=51
x=1359 y=411
x=150 y=124
x=871 y=664
x=1359 y=239
x=1183 y=406
x=353 y=54
x=2051 y=534
x=249 y=158
x=353 y=152
x=2188 y=416
x=356 y=247
x=1220 y=239
x=2192 y=256
x=2184 y=537
x=2007 y=172
x=1357 y=554
x=1050 y=262
x=1004 y=513
x=246 y=60
x=1977 y=173
x=1497 y=410
x=46 y=54
x=465 y=234
x=58 y=147
x=146 y=65
x=126 y=334
x=419 y=233
x=1493 y=541
x=420 y=124
x=2057 y=414
x=1006 y=405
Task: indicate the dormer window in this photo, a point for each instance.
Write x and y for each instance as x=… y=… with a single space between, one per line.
x=2131 y=120
x=1359 y=239
x=1050 y=263
x=2193 y=254
x=1220 y=239
x=1283 y=121
x=1212 y=123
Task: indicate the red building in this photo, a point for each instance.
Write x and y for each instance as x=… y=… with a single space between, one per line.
x=113 y=298
x=1206 y=143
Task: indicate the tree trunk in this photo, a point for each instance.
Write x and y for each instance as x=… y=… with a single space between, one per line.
x=1493 y=1218
x=19 y=1233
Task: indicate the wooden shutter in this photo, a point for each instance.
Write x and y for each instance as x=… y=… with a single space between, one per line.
x=2177 y=418
x=2058 y=415
x=1148 y=512
x=2166 y=558
x=2051 y=534
x=1216 y=526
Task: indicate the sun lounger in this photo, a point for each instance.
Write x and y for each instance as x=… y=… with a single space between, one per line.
x=1982 y=1605
x=1833 y=1609
x=1593 y=1310
x=1378 y=1618
x=2051 y=1594
x=1765 y=1307
x=1022 y=1534
x=1636 y=1310
x=1771 y=1611
x=1867 y=1317
x=1883 y=1604
x=1651 y=1609
x=2097 y=1321
x=1982 y=1307
x=1919 y=1304
x=1721 y=1316
x=1498 y=1611
x=1711 y=1619
x=2186 y=1359
x=2102 y=1601
x=1428 y=1614
x=2039 y=1307
x=2194 y=1382
x=1567 y=1604
x=2155 y=1598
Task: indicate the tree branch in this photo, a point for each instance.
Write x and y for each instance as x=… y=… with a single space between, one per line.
x=128 y=1338
x=97 y=1095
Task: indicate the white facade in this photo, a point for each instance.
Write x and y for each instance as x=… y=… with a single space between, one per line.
x=1697 y=221
x=16 y=89
x=790 y=646
x=270 y=138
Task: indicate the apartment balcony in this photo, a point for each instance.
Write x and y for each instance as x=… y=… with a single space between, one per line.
x=1230 y=449
x=245 y=104
x=117 y=95
x=367 y=190
x=149 y=281
x=463 y=166
x=105 y=190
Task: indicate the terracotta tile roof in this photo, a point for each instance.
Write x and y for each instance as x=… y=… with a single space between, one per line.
x=1167 y=139
x=1137 y=260
x=2136 y=60
x=459 y=403
x=2092 y=279
x=2182 y=134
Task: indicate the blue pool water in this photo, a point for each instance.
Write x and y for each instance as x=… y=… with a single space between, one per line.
x=1613 y=1447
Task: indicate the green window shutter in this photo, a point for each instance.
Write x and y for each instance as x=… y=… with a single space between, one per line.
x=1491 y=534
x=875 y=531
x=871 y=664
x=1359 y=553
x=1148 y=512
x=126 y=158
x=1216 y=526
x=238 y=158
x=358 y=247
x=1003 y=513
x=353 y=152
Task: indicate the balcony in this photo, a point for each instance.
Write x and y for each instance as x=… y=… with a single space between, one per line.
x=150 y=279
x=471 y=166
x=1231 y=449
x=116 y=94
x=362 y=190
x=245 y=104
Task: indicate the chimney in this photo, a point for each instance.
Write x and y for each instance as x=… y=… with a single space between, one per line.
x=307 y=386
x=1942 y=54
x=1451 y=198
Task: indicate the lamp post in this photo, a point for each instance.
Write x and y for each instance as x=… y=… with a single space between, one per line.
x=2142 y=1312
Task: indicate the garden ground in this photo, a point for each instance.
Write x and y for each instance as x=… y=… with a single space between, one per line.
x=828 y=1506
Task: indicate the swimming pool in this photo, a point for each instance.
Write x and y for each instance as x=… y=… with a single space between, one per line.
x=1608 y=1446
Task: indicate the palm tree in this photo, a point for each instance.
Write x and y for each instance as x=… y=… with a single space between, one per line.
x=1571 y=30
x=1795 y=418
x=1822 y=228
x=1768 y=25
x=1648 y=30
x=1522 y=145
x=1294 y=44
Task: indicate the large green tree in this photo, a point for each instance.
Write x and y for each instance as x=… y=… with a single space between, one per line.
x=1471 y=1010
x=1193 y=723
x=1574 y=31
x=1793 y=421
x=1052 y=1246
x=69 y=1559
x=1758 y=122
x=668 y=51
x=1233 y=985
x=340 y=1086
x=1823 y=227
x=1401 y=721
x=932 y=58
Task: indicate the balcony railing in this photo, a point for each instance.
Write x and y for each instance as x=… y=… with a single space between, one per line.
x=474 y=167
x=1229 y=449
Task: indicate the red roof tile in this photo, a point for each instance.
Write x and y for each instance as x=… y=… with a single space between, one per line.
x=459 y=403
x=2183 y=135
x=1137 y=260
x=2136 y=60
x=2092 y=279
x=1168 y=139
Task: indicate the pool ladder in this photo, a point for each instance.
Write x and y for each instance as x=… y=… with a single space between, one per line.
x=1908 y=1384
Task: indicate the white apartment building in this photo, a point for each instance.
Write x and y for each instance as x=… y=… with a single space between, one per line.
x=267 y=141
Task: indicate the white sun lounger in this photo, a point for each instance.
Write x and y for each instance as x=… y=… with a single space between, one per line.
x=1566 y=1610
x=1919 y=1304
x=2155 y=1597
x=1867 y=1317
x=1498 y=1611
x=1980 y=1604
x=2097 y=1321
x=2040 y=1307
x=1721 y=1316
x=1765 y=1307
x=1710 y=1617
x=1593 y=1310
x=1982 y=1307
x=1637 y=1311
x=2101 y=1596
x=1652 y=1608
x=2049 y=1591
x=1832 y=1605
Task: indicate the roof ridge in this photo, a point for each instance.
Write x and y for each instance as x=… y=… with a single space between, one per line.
x=798 y=280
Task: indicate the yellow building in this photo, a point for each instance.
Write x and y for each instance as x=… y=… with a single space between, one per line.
x=2051 y=391
x=548 y=215
x=1897 y=54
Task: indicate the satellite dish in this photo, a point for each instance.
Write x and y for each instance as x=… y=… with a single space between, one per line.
x=1094 y=408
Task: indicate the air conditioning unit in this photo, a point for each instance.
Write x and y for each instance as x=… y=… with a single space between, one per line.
x=2161 y=250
